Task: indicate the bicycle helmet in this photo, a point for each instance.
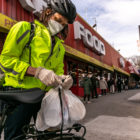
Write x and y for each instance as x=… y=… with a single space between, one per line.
x=65 y=7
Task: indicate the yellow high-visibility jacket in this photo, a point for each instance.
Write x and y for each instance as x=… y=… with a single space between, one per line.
x=14 y=59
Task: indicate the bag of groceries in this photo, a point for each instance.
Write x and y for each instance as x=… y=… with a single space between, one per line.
x=50 y=114
x=76 y=108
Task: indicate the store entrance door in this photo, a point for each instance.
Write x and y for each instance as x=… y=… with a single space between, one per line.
x=72 y=70
x=76 y=68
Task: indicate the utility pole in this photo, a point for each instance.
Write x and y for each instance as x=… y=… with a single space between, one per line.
x=139 y=31
x=138 y=41
x=95 y=23
x=86 y=13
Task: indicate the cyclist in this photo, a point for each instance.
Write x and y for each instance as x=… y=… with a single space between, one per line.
x=41 y=64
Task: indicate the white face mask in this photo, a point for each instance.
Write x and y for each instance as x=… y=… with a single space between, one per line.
x=54 y=27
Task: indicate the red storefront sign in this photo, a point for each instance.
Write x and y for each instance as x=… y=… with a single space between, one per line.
x=85 y=39
x=14 y=10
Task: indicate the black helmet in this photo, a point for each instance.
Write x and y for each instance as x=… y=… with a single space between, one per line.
x=65 y=7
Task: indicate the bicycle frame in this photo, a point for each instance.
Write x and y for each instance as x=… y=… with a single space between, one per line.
x=32 y=132
x=6 y=110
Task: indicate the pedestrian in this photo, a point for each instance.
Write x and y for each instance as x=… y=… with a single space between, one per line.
x=108 y=84
x=126 y=84
x=112 y=85
x=119 y=84
x=94 y=86
x=87 y=87
x=123 y=84
x=40 y=65
x=103 y=86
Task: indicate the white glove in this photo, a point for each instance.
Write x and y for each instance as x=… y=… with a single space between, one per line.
x=48 y=77
x=68 y=81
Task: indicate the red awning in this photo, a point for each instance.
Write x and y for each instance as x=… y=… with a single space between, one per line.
x=134 y=70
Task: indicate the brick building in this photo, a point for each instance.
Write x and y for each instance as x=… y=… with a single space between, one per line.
x=86 y=50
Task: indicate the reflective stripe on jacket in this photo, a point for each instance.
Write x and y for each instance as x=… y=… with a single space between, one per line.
x=14 y=59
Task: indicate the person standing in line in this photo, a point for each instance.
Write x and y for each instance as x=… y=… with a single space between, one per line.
x=87 y=87
x=112 y=85
x=123 y=84
x=126 y=84
x=94 y=86
x=109 y=86
x=103 y=86
x=119 y=84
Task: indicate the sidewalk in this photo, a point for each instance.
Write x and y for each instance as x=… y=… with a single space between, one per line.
x=113 y=128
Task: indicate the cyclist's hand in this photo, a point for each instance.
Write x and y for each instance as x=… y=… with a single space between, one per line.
x=68 y=81
x=48 y=77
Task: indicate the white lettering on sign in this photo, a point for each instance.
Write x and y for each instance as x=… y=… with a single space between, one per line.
x=35 y=6
x=88 y=39
x=122 y=62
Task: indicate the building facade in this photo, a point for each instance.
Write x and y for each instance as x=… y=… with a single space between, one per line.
x=86 y=49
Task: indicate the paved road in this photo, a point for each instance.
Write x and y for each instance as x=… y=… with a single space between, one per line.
x=113 y=112
x=115 y=105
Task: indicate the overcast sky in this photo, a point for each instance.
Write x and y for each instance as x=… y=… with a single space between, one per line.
x=117 y=22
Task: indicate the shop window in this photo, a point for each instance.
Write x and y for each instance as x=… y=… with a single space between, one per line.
x=72 y=70
x=82 y=68
x=90 y=69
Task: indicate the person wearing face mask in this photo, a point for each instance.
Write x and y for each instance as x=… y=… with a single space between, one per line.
x=41 y=64
x=86 y=84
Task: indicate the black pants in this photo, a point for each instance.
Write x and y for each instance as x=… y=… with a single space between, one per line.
x=94 y=92
x=86 y=96
x=119 y=88
x=18 y=118
x=103 y=91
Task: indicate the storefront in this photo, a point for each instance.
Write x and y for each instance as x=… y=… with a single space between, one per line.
x=86 y=50
x=134 y=79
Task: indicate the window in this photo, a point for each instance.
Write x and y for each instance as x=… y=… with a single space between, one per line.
x=72 y=70
x=81 y=69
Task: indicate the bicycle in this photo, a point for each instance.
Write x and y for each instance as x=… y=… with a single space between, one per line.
x=13 y=97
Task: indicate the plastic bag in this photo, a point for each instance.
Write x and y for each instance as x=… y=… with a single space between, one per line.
x=76 y=108
x=50 y=114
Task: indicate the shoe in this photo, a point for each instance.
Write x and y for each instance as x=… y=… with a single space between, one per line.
x=89 y=102
x=85 y=102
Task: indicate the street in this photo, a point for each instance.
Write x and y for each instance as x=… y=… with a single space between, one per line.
x=113 y=112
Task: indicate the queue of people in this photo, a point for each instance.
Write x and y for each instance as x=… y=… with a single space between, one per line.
x=92 y=82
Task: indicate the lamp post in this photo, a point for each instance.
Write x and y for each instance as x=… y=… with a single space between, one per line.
x=138 y=41
x=94 y=18
x=139 y=31
x=95 y=23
